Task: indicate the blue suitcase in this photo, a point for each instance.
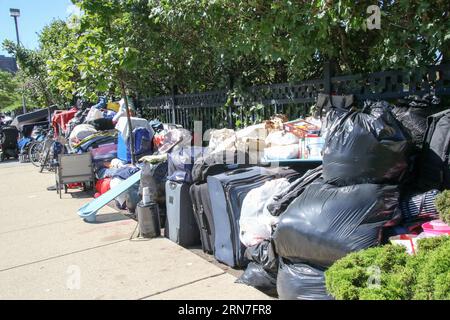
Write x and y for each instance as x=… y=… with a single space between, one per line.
x=142 y=144
x=227 y=192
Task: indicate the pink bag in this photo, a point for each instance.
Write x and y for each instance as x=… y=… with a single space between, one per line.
x=102 y=150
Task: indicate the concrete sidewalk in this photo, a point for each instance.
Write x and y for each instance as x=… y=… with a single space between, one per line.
x=48 y=252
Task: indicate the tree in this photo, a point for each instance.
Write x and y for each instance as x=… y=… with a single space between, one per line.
x=9 y=91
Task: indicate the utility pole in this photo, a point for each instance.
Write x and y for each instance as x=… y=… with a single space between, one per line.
x=15 y=13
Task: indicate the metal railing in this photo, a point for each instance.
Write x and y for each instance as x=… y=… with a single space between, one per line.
x=217 y=109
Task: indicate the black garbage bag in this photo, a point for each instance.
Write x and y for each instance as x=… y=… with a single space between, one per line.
x=332 y=106
x=299 y=281
x=255 y=276
x=283 y=199
x=413 y=112
x=261 y=272
x=327 y=222
x=102 y=124
x=368 y=146
x=263 y=254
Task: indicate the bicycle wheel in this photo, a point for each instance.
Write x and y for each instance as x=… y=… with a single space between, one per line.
x=44 y=159
x=34 y=153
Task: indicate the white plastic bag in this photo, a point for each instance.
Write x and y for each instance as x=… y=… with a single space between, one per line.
x=257 y=131
x=94 y=114
x=222 y=140
x=282 y=152
x=256 y=222
x=281 y=138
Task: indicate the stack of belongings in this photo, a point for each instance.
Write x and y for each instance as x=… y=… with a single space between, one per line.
x=344 y=205
x=229 y=169
x=61 y=119
x=227 y=150
x=298 y=139
x=155 y=171
x=103 y=132
x=261 y=209
x=429 y=125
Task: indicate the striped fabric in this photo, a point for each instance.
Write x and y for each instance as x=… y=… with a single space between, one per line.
x=419 y=206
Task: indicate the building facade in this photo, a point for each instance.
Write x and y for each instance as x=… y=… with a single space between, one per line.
x=8 y=64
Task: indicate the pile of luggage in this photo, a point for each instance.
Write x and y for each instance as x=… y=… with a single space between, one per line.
x=376 y=181
x=286 y=225
x=343 y=182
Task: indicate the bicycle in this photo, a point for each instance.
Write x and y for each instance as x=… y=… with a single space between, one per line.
x=36 y=146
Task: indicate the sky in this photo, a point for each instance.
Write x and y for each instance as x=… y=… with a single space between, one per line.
x=34 y=15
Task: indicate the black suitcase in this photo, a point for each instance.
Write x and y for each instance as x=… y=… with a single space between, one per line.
x=227 y=192
x=201 y=205
x=435 y=165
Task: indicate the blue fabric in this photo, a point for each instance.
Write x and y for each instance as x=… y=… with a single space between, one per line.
x=142 y=144
x=22 y=143
x=125 y=172
x=156 y=125
x=122 y=173
x=181 y=162
x=101 y=103
x=109 y=114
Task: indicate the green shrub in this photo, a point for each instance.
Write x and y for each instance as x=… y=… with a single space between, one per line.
x=348 y=278
x=434 y=274
x=443 y=206
x=401 y=277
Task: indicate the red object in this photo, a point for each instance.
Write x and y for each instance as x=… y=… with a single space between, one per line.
x=96 y=195
x=103 y=185
x=61 y=118
x=158 y=140
x=74 y=185
x=301 y=128
x=436 y=228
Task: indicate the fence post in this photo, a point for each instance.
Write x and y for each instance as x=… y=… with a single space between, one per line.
x=327 y=73
x=174 y=92
x=230 y=106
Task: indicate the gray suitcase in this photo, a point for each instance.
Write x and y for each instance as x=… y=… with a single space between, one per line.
x=181 y=226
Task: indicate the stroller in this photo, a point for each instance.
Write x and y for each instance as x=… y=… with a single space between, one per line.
x=8 y=143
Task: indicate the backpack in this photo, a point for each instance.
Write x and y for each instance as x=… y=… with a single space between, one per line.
x=435 y=167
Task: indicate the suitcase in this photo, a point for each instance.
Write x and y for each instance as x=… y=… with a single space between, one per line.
x=201 y=205
x=227 y=192
x=181 y=226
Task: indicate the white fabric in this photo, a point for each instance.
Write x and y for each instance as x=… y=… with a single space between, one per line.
x=222 y=140
x=281 y=138
x=80 y=132
x=122 y=125
x=114 y=183
x=122 y=112
x=94 y=114
x=282 y=152
x=117 y=163
x=256 y=222
x=255 y=131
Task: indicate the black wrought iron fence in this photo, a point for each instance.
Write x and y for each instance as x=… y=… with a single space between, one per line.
x=222 y=108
